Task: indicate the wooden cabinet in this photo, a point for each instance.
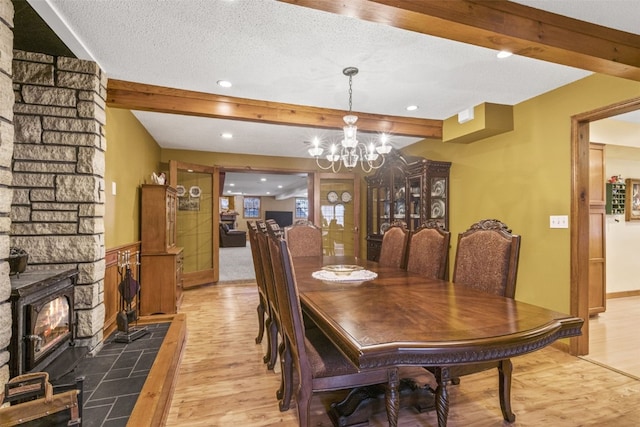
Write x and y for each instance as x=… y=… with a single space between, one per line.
x=615 y=198
x=162 y=276
x=408 y=189
x=159 y=204
x=161 y=261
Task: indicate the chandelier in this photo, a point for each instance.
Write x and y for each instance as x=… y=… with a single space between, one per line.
x=349 y=152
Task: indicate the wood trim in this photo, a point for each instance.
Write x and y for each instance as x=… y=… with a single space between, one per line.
x=159 y=99
x=154 y=401
x=499 y=25
x=623 y=294
x=579 y=298
x=197 y=278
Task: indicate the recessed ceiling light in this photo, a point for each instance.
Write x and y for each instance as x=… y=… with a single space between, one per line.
x=224 y=83
x=412 y=108
x=263 y=179
x=504 y=54
x=232 y=185
x=268 y=192
x=226 y=135
x=279 y=186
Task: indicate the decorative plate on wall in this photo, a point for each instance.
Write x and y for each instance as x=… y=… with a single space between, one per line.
x=332 y=196
x=180 y=190
x=194 y=191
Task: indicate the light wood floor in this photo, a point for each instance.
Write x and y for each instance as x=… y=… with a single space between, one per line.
x=614 y=339
x=223 y=382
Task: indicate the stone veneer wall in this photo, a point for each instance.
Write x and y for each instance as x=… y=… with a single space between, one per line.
x=6 y=149
x=57 y=214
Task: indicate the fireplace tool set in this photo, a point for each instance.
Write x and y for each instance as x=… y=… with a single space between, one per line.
x=129 y=289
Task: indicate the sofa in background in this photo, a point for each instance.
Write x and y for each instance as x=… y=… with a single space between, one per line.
x=232 y=238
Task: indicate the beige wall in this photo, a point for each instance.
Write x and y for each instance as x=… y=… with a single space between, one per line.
x=623 y=236
x=132 y=155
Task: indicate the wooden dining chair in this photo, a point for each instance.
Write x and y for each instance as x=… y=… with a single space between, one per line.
x=428 y=251
x=263 y=305
x=304 y=239
x=486 y=260
x=394 y=246
x=272 y=323
x=320 y=366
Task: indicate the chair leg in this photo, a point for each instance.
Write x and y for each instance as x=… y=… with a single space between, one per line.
x=283 y=374
x=304 y=406
x=442 y=396
x=260 y=310
x=286 y=381
x=504 y=369
x=273 y=344
x=267 y=357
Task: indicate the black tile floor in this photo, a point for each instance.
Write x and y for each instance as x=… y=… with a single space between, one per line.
x=115 y=376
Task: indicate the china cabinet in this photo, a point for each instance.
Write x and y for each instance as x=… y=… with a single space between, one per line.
x=161 y=260
x=408 y=189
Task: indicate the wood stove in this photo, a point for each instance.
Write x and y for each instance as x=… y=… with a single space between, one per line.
x=44 y=321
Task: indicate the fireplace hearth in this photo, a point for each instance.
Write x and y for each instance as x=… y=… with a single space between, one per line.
x=44 y=323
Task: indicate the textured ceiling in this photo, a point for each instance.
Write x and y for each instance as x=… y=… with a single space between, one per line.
x=285 y=53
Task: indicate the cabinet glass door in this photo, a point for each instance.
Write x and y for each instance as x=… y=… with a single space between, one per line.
x=194 y=223
x=415 y=206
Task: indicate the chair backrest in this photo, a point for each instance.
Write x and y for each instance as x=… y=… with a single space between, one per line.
x=394 y=246
x=487 y=258
x=267 y=269
x=428 y=251
x=303 y=239
x=255 y=255
x=291 y=320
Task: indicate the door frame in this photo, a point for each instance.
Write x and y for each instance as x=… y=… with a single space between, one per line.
x=579 y=258
x=218 y=170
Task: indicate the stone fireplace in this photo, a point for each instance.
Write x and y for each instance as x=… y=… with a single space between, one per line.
x=52 y=116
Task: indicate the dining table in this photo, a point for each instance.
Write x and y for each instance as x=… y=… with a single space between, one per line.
x=399 y=319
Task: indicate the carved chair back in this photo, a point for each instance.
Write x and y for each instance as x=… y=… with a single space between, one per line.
x=304 y=239
x=394 y=246
x=487 y=258
x=428 y=251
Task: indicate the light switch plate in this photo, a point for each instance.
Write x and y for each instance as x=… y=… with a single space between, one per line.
x=559 y=221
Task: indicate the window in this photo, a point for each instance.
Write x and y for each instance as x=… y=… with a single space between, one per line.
x=252 y=207
x=302 y=207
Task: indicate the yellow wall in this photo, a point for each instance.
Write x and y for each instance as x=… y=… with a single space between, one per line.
x=522 y=177
x=132 y=155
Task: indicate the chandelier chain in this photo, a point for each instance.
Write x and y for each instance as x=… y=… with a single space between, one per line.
x=350 y=93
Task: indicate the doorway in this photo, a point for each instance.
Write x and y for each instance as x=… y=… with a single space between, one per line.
x=580 y=232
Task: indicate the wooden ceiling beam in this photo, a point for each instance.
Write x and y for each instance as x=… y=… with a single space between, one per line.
x=501 y=24
x=144 y=97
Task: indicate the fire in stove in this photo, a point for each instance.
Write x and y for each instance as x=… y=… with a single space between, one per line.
x=51 y=326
